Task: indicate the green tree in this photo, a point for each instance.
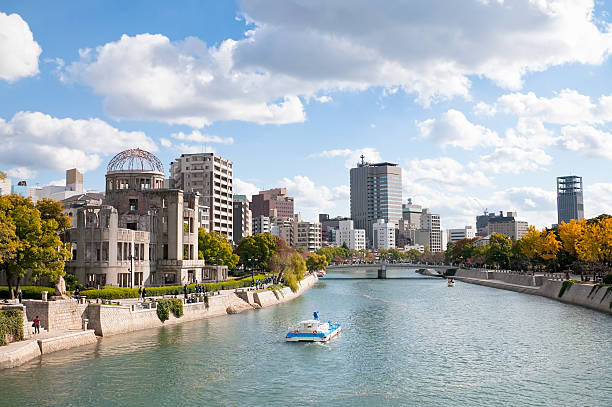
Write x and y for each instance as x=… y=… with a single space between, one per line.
x=316 y=262
x=259 y=248
x=500 y=249
x=34 y=245
x=212 y=247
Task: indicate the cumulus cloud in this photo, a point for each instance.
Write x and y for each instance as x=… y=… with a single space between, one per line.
x=198 y=137
x=22 y=173
x=588 y=140
x=352 y=156
x=295 y=49
x=597 y=199
x=18 y=49
x=245 y=188
x=513 y=160
x=38 y=140
x=312 y=197
x=454 y=129
x=446 y=172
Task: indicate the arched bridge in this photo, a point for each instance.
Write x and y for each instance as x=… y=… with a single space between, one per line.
x=433 y=270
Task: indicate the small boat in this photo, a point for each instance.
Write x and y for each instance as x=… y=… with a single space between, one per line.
x=314 y=330
x=320 y=273
x=451 y=283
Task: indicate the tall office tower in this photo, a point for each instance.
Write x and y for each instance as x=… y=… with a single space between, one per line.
x=570 y=204
x=243 y=225
x=212 y=177
x=376 y=193
x=273 y=203
x=412 y=213
x=430 y=225
x=508 y=225
x=383 y=234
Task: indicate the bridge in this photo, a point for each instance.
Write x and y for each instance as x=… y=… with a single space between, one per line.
x=443 y=269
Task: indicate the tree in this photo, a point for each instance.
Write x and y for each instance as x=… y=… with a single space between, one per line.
x=316 y=262
x=256 y=250
x=32 y=240
x=500 y=249
x=570 y=234
x=213 y=248
x=50 y=209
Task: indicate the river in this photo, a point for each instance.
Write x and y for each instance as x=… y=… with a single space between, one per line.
x=408 y=341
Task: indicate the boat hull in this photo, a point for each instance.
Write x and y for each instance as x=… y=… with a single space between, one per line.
x=310 y=337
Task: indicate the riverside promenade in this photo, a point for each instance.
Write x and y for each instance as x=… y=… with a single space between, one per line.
x=592 y=296
x=67 y=324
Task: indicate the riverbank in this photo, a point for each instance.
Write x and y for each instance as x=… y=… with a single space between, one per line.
x=585 y=295
x=71 y=324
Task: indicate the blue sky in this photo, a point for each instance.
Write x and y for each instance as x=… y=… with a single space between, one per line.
x=482 y=105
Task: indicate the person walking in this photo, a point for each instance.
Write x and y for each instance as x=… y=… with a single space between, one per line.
x=185 y=290
x=139 y=292
x=36 y=325
x=144 y=292
x=20 y=295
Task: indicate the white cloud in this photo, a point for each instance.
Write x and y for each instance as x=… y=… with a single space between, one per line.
x=245 y=188
x=513 y=160
x=297 y=49
x=58 y=182
x=22 y=173
x=18 y=50
x=597 y=199
x=192 y=148
x=198 y=137
x=353 y=156
x=444 y=171
x=311 y=197
x=454 y=129
x=37 y=140
x=165 y=142
x=587 y=140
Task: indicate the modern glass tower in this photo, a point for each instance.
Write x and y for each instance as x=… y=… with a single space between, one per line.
x=570 y=204
x=376 y=193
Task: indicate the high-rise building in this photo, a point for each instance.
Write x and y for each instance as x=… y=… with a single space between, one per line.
x=329 y=227
x=376 y=193
x=5 y=186
x=412 y=213
x=242 y=218
x=298 y=233
x=273 y=203
x=261 y=224
x=454 y=235
x=431 y=234
x=383 y=234
x=507 y=225
x=347 y=235
x=74 y=180
x=212 y=176
x=74 y=186
x=570 y=204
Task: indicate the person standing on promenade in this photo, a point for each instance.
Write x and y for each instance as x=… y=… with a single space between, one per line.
x=144 y=292
x=139 y=292
x=20 y=295
x=36 y=325
x=185 y=289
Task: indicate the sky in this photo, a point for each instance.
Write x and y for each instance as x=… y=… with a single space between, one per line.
x=483 y=103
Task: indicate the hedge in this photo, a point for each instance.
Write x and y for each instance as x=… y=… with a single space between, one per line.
x=33 y=292
x=170 y=304
x=11 y=323
x=115 y=293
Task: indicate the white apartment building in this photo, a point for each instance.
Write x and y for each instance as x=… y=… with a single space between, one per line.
x=355 y=239
x=243 y=224
x=212 y=176
x=430 y=223
x=298 y=233
x=384 y=234
x=454 y=235
x=261 y=224
x=5 y=186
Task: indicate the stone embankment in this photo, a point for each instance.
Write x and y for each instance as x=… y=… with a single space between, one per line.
x=68 y=322
x=585 y=295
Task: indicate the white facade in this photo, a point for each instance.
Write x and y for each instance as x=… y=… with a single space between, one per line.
x=431 y=222
x=455 y=235
x=5 y=186
x=261 y=224
x=212 y=176
x=384 y=234
x=355 y=239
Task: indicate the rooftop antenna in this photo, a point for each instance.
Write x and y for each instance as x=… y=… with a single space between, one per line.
x=362 y=159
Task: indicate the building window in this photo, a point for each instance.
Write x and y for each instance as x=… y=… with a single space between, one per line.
x=138 y=277
x=169 y=278
x=123 y=279
x=133 y=205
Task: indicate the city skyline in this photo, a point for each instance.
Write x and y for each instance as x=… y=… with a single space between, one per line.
x=482 y=129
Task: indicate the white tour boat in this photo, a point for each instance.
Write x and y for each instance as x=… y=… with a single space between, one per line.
x=314 y=330
x=451 y=282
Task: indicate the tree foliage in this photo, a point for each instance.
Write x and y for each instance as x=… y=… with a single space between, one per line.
x=29 y=240
x=316 y=262
x=256 y=250
x=214 y=249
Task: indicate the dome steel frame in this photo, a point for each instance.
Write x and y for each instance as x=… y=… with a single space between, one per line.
x=136 y=160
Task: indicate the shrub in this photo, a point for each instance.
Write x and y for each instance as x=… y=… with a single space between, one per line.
x=111 y=293
x=33 y=292
x=566 y=286
x=164 y=307
x=11 y=323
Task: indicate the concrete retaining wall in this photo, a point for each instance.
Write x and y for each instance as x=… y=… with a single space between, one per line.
x=267 y=298
x=56 y=315
x=579 y=294
x=67 y=341
x=18 y=353
x=511 y=278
